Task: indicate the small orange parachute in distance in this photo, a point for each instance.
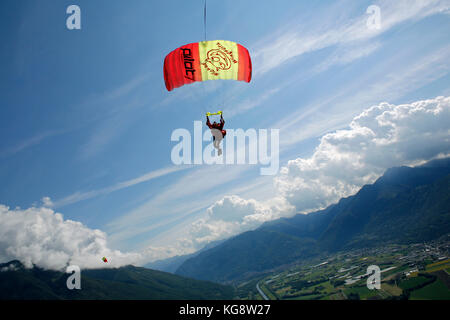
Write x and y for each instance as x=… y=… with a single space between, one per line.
x=207 y=60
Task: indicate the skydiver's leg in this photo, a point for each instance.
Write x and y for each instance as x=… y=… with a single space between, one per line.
x=217 y=137
x=217 y=143
x=219 y=150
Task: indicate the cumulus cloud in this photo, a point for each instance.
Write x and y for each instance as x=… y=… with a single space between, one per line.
x=40 y=236
x=10 y=267
x=47 y=202
x=381 y=137
x=232 y=215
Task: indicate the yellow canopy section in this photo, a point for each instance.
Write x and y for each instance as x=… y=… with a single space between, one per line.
x=219 y=59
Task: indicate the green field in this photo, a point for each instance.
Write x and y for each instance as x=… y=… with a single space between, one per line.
x=438 y=266
x=435 y=291
x=268 y=292
x=362 y=291
x=314 y=279
x=308 y=297
x=391 y=289
x=412 y=282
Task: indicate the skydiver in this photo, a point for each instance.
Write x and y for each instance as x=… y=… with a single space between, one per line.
x=217 y=132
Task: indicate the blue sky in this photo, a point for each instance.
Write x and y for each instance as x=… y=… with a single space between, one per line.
x=85 y=118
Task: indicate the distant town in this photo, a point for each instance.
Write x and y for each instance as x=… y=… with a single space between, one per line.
x=416 y=271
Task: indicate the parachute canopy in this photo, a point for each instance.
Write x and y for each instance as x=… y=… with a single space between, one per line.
x=207 y=60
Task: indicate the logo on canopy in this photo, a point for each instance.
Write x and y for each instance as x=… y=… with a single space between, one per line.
x=219 y=59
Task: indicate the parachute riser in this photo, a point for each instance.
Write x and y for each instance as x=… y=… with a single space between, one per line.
x=213 y=114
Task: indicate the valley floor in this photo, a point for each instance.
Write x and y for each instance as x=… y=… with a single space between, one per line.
x=418 y=272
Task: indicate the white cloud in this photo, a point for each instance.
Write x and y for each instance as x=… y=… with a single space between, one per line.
x=233 y=215
x=347 y=54
x=80 y=196
x=251 y=103
x=382 y=136
x=297 y=39
x=342 y=105
x=47 y=202
x=113 y=111
x=10 y=267
x=39 y=236
x=35 y=140
x=190 y=194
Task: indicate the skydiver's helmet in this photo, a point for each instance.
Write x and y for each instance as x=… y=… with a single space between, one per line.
x=214 y=123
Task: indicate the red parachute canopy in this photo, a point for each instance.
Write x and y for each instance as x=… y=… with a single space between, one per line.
x=207 y=60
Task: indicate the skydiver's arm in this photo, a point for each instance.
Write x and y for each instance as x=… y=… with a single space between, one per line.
x=207 y=122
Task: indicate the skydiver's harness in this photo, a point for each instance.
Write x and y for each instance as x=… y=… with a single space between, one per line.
x=218 y=126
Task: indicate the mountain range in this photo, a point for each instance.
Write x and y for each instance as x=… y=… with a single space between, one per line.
x=173 y=263
x=125 y=283
x=405 y=205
